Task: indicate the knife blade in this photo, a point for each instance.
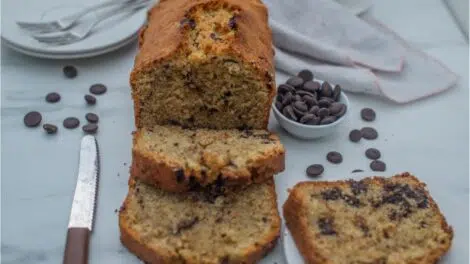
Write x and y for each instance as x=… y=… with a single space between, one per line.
x=84 y=203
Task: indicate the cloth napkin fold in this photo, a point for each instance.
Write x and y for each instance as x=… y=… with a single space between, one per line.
x=358 y=53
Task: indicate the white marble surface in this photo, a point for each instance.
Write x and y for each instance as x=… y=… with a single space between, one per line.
x=428 y=138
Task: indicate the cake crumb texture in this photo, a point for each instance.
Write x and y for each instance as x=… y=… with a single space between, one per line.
x=239 y=226
x=376 y=220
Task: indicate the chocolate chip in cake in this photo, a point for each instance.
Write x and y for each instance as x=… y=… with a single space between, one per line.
x=71 y=122
x=98 y=89
x=32 y=119
x=179 y=175
x=334 y=157
x=70 y=71
x=368 y=114
x=311 y=86
x=188 y=22
x=50 y=128
x=351 y=200
x=336 y=92
x=323 y=112
x=285 y=88
x=295 y=81
x=306 y=75
x=326 y=89
x=90 y=128
x=92 y=118
x=186 y=224
x=232 y=23
x=357 y=187
x=373 y=153
x=90 y=99
x=52 y=97
x=315 y=170
x=335 y=108
x=288 y=111
x=326 y=226
x=355 y=135
x=377 y=165
x=331 y=194
x=369 y=133
x=327 y=120
x=361 y=223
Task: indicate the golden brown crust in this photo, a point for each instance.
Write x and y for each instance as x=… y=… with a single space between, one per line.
x=154 y=255
x=297 y=223
x=163 y=173
x=162 y=38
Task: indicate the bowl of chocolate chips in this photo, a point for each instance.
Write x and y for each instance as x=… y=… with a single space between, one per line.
x=309 y=108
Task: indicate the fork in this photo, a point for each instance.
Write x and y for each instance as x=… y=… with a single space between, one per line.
x=67 y=21
x=82 y=30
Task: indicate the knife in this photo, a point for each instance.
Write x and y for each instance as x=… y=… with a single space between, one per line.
x=84 y=203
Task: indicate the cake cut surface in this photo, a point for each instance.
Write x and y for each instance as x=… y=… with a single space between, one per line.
x=376 y=220
x=200 y=227
x=177 y=159
x=204 y=64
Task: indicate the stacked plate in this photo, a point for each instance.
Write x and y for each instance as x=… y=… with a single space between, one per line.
x=109 y=35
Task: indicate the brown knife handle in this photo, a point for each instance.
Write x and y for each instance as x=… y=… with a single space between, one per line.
x=76 y=247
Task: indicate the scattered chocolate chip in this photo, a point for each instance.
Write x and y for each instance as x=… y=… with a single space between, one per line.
x=288 y=111
x=90 y=99
x=90 y=128
x=331 y=194
x=336 y=93
x=328 y=120
x=315 y=170
x=32 y=119
x=357 y=171
x=52 y=97
x=323 y=112
x=311 y=86
x=98 y=89
x=357 y=187
x=355 y=135
x=71 y=122
x=377 y=165
x=92 y=118
x=368 y=114
x=179 y=175
x=373 y=153
x=334 y=157
x=70 y=71
x=295 y=81
x=49 y=128
x=326 y=89
x=306 y=75
x=326 y=226
x=351 y=200
x=369 y=133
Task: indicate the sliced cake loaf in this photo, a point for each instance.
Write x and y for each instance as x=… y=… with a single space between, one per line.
x=199 y=227
x=177 y=159
x=375 y=220
x=204 y=63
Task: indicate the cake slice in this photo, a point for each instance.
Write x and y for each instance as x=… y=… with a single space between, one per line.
x=204 y=226
x=177 y=159
x=376 y=220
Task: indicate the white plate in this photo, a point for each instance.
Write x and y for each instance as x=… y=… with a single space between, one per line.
x=356 y=6
x=111 y=33
x=291 y=252
x=69 y=55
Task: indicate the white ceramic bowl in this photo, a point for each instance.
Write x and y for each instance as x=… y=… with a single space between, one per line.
x=311 y=131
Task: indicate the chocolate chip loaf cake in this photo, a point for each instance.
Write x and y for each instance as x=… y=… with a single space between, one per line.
x=177 y=159
x=199 y=227
x=375 y=220
x=206 y=64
